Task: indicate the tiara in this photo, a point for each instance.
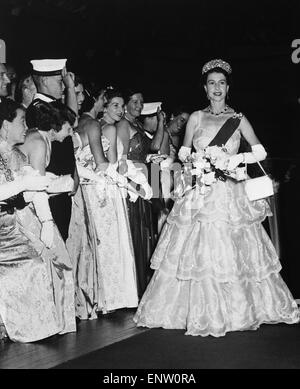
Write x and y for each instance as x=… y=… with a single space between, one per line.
x=216 y=63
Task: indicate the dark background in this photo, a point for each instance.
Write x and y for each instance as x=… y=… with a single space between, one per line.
x=161 y=45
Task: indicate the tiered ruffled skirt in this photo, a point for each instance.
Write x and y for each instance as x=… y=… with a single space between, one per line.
x=216 y=268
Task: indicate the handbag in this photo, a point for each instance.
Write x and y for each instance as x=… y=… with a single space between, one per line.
x=260 y=187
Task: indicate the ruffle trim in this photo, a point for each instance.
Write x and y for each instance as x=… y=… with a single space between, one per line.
x=294 y=318
x=203 y=219
x=211 y=275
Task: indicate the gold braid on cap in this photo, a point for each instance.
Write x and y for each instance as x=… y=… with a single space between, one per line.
x=216 y=63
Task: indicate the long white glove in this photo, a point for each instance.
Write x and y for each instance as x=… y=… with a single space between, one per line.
x=166 y=164
x=23 y=184
x=132 y=196
x=111 y=171
x=35 y=183
x=258 y=154
x=60 y=184
x=136 y=175
x=41 y=205
x=184 y=152
x=47 y=233
x=86 y=173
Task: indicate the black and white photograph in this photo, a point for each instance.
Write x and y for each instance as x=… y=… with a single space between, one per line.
x=149 y=187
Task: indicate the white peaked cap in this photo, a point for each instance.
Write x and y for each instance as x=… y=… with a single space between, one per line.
x=48 y=67
x=150 y=108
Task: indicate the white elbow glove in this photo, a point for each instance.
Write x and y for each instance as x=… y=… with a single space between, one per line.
x=47 y=233
x=183 y=153
x=132 y=196
x=136 y=175
x=258 y=154
x=85 y=173
x=41 y=205
x=111 y=171
x=166 y=164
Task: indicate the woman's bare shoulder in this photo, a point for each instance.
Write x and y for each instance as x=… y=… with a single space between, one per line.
x=123 y=125
x=33 y=138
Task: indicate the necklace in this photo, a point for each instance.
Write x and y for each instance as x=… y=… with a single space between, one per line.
x=5 y=147
x=225 y=109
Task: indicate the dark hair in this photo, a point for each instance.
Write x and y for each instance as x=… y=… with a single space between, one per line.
x=91 y=96
x=8 y=110
x=20 y=87
x=180 y=109
x=66 y=113
x=216 y=70
x=110 y=93
x=128 y=93
x=49 y=116
x=77 y=80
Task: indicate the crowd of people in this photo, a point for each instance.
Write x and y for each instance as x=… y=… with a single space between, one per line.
x=99 y=210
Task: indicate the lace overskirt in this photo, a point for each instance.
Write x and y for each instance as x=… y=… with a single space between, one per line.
x=216 y=267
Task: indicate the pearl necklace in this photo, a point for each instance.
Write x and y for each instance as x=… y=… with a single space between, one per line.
x=225 y=109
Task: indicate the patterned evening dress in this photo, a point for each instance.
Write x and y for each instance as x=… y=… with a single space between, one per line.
x=27 y=307
x=100 y=245
x=216 y=269
x=57 y=258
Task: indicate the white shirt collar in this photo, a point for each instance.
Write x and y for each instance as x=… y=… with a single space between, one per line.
x=149 y=135
x=43 y=97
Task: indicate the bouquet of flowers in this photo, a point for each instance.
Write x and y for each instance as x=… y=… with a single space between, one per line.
x=202 y=169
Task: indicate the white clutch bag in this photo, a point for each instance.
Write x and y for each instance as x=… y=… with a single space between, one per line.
x=260 y=187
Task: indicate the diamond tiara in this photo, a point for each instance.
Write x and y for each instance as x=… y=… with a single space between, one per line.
x=216 y=63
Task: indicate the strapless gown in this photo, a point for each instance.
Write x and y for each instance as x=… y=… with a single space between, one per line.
x=57 y=258
x=100 y=245
x=27 y=307
x=216 y=269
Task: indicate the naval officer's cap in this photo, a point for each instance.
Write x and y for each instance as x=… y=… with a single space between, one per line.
x=48 y=67
x=151 y=108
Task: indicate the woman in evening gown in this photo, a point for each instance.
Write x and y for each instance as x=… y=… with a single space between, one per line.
x=112 y=276
x=136 y=145
x=40 y=229
x=216 y=269
x=27 y=308
x=82 y=241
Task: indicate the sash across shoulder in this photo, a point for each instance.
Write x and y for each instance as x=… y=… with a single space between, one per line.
x=226 y=131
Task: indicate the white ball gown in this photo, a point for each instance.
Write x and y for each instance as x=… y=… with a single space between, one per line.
x=216 y=269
